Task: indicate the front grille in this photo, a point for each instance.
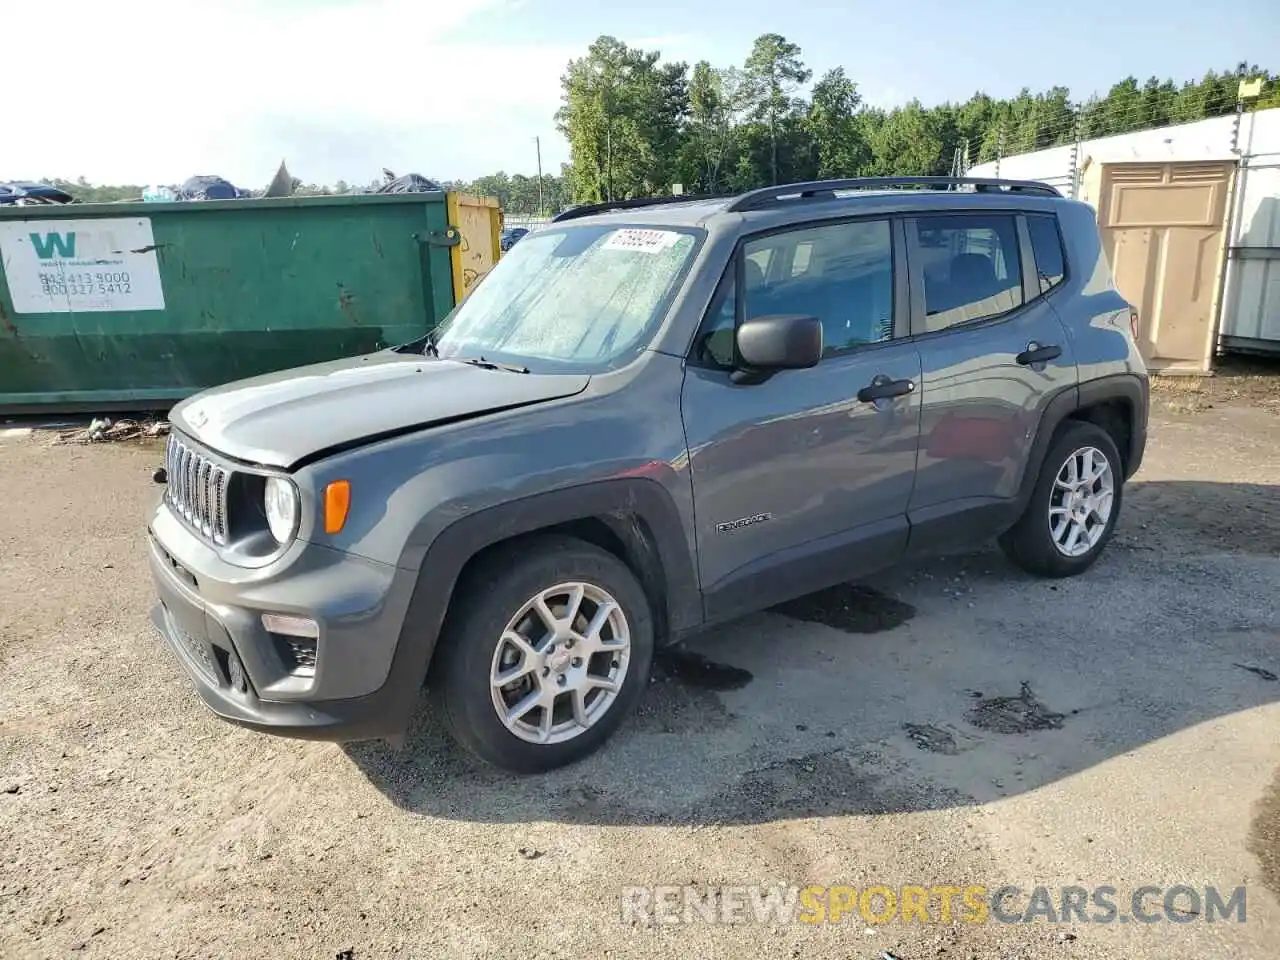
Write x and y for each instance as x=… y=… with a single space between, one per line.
x=197 y=489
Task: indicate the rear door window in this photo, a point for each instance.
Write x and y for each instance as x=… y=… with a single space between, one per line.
x=971 y=268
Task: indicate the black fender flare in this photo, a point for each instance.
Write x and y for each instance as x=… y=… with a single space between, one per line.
x=1063 y=405
x=1133 y=389
x=619 y=503
x=1059 y=409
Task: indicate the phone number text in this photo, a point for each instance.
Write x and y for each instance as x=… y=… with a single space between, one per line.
x=85 y=284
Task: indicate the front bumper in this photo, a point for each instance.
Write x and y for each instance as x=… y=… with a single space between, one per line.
x=213 y=624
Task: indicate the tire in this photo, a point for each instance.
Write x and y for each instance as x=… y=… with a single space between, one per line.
x=1030 y=543
x=478 y=641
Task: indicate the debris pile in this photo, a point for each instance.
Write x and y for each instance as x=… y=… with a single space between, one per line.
x=104 y=430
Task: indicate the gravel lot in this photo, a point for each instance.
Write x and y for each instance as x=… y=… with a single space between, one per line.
x=951 y=722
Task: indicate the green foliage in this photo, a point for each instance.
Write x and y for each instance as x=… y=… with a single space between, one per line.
x=636 y=126
x=833 y=124
x=774 y=73
x=86 y=192
x=624 y=116
x=518 y=194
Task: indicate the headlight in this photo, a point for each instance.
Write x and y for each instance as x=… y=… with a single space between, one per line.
x=281 y=502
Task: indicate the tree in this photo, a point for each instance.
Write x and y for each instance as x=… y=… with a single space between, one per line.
x=716 y=103
x=636 y=124
x=833 y=124
x=774 y=73
x=908 y=142
x=623 y=115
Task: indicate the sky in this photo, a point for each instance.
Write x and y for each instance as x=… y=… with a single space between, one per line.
x=340 y=89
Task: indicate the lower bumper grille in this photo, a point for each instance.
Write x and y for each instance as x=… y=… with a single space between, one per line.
x=199 y=649
x=298 y=654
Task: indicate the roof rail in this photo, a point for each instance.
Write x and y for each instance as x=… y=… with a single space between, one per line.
x=588 y=209
x=826 y=189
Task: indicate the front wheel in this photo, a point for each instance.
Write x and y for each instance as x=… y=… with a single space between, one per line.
x=546 y=651
x=1073 y=508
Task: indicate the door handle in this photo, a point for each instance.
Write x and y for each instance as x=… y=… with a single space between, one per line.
x=882 y=388
x=1037 y=354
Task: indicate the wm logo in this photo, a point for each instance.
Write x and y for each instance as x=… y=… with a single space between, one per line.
x=50 y=245
x=100 y=246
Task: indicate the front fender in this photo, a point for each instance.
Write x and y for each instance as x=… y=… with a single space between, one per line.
x=620 y=503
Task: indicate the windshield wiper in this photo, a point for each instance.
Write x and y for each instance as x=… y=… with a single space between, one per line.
x=425 y=345
x=492 y=364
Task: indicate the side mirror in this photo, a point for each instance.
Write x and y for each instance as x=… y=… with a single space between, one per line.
x=780 y=342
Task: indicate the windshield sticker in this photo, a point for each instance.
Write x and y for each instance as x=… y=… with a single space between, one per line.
x=642 y=241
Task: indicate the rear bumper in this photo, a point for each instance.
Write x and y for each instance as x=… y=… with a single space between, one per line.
x=1138 y=437
x=217 y=639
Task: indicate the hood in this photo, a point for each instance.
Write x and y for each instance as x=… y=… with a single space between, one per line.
x=280 y=418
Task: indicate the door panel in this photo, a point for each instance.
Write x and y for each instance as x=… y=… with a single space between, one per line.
x=800 y=450
x=791 y=475
x=979 y=311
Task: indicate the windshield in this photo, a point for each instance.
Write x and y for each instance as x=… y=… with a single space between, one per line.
x=585 y=297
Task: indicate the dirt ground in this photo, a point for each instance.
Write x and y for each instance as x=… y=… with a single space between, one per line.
x=951 y=722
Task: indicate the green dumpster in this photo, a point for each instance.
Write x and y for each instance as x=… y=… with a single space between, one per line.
x=133 y=305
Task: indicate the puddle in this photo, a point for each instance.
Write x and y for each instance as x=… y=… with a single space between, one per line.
x=822 y=783
x=933 y=739
x=849 y=607
x=1020 y=714
x=697 y=671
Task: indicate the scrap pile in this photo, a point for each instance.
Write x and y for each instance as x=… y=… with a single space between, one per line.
x=103 y=430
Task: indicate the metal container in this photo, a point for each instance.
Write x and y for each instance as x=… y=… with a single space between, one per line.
x=132 y=305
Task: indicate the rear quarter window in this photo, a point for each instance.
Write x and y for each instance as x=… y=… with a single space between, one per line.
x=1046 y=247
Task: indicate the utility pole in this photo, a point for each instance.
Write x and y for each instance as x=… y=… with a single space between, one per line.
x=773 y=140
x=538 y=143
x=1075 y=152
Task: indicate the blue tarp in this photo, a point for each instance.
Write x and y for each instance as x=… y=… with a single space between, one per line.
x=207 y=188
x=16 y=190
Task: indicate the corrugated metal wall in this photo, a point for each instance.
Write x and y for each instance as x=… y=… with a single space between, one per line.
x=1251 y=312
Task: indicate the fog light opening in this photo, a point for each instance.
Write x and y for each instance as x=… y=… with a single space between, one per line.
x=295 y=639
x=291 y=626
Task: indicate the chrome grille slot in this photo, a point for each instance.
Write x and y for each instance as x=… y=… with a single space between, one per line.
x=197 y=489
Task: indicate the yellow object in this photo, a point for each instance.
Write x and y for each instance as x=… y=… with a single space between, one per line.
x=478 y=221
x=1250 y=88
x=337 y=502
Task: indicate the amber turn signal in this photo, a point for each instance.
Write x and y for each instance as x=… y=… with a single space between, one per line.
x=337 y=501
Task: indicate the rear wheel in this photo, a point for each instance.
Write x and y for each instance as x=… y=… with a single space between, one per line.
x=1074 y=506
x=546 y=651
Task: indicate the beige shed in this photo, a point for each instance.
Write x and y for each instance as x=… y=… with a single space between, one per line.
x=1163 y=230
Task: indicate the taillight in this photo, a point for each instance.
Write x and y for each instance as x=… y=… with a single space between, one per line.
x=1133 y=322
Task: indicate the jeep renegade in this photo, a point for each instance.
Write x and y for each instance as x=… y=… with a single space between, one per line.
x=650 y=417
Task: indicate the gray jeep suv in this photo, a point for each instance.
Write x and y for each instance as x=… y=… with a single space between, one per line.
x=651 y=416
